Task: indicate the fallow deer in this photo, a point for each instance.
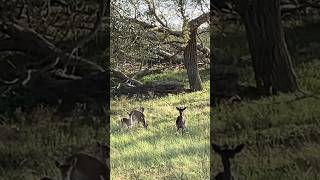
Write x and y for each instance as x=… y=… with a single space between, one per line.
x=83 y=167
x=181 y=122
x=137 y=116
x=226 y=154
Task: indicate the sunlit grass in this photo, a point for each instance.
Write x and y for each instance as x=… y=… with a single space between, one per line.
x=158 y=153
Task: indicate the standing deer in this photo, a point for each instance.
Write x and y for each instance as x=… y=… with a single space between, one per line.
x=226 y=154
x=83 y=167
x=137 y=117
x=180 y=122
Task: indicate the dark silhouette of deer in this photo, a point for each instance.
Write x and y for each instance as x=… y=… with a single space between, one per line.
x=84 y=167
x=226 y=154
x=181 y=122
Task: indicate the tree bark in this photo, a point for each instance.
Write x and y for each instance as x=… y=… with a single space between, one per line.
x=271 y=59
x=190 y=62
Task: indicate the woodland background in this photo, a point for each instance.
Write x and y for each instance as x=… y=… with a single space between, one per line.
x=259 y=58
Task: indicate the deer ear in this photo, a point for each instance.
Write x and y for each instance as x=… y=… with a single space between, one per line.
x=216 y=148
x=177 y=108
x=238 y=148
x=184 y=108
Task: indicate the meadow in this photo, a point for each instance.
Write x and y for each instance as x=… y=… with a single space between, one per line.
x=32 y=142
x=157 y=152
x=281 y=133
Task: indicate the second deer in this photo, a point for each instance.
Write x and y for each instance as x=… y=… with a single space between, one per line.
x=86 y=167
x=226 y=154
x=126 y=122
x=137 y=116
x=181 y=122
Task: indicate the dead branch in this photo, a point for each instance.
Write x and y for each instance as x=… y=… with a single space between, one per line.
x=124 y=78
x=97 y=25
x=154 y=88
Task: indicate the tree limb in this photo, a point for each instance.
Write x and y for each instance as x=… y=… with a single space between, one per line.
x=195 y=23
x=95 y=29
x=146 y=25
x=124 y=78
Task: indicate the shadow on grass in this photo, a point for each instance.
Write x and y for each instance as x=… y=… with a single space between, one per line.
x=144 y=157
x=167 y=76
x=155 y=133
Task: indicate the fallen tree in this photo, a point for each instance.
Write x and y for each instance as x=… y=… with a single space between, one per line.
x=130 y=86
x=152 y=89
x=51 y=76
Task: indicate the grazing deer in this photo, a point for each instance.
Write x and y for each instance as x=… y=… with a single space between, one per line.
x=83 y=167
x=226 y=154
x=180 y=122
x=137 y=117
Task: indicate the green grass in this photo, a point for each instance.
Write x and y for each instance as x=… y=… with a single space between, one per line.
x=282 y=139
x=281 y=133
x=158 y=153
x=31 y=143
x=177 y=75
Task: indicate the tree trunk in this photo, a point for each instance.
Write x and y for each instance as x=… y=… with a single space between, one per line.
x=190 y=62
x=271 y=59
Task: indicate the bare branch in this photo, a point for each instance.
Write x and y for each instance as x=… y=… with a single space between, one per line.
x=28 y=78
x=121 y=76
x=61 y=73
x=155 y=28
x=97 y=25
x=9 y=82
x=152 y=11
x=195 y=23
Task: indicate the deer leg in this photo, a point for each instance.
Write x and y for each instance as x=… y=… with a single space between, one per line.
x=177 y=132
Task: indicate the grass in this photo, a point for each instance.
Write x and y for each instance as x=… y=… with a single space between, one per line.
x=158 y=153
x=31 y=143
x=282 y=140
x=281 y=133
